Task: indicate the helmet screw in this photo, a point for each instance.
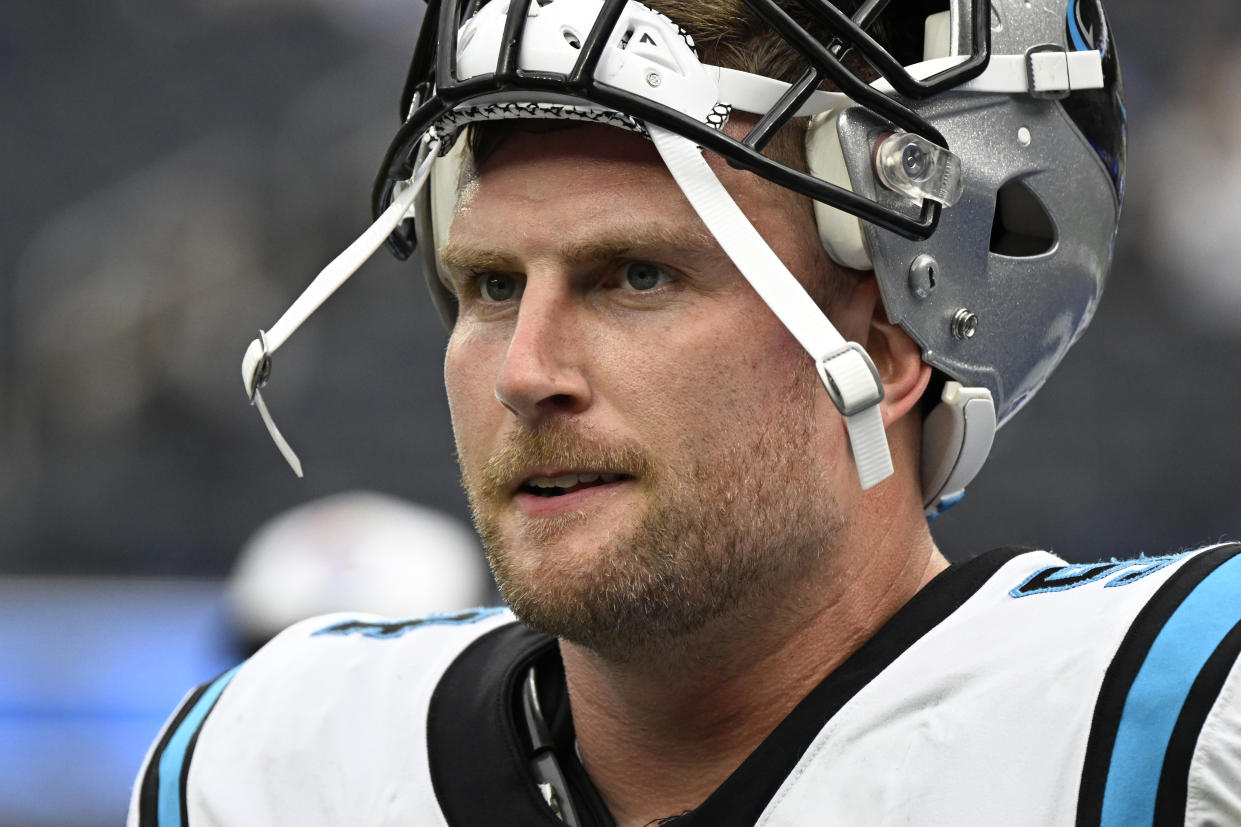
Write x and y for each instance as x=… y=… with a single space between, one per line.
x=653 y=78
x=964 y=324
x=913 y=161
x=922 y=275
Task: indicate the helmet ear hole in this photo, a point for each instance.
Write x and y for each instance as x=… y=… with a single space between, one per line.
x=1021 y=227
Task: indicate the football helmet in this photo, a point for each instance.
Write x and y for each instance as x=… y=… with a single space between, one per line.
x=977 y=167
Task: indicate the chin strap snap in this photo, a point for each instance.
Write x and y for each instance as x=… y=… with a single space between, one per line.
x=847 y=371
x=256 y=364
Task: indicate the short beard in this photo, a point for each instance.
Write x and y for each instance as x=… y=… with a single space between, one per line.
x=727 y=536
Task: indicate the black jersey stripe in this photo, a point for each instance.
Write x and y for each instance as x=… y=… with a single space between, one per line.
x=162 y=801
x=1174 y=778
x=148 y=796
x=479 y=762
x=1123 y=670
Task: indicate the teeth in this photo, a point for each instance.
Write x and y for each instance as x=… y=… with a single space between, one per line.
x=570 y=480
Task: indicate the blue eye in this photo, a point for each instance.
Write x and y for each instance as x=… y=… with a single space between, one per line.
x=498 y=287
x=643 y=275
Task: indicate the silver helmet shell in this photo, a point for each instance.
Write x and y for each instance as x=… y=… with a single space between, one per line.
x=1013 y=273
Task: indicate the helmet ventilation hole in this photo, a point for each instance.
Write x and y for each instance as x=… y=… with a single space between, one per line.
x=572 y=39
x=1021 y=227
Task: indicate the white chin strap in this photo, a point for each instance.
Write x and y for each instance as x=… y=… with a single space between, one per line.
x=256 y=364
x=845 y=368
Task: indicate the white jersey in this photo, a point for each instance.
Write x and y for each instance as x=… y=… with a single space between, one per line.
x=1014 y=689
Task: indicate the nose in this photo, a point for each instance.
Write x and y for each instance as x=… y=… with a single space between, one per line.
x=543 y=371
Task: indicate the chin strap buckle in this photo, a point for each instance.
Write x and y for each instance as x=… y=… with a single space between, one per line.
x=851 y=379
x=255 y=371
x=257 y=366
x=1051 y=71
x=853 y=383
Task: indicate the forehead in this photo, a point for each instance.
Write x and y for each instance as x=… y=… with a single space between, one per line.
x=499 y=143
x=532 y=180
x=565 y=186
x=535 y=165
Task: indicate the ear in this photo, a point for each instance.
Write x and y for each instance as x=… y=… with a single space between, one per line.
x=897 y=357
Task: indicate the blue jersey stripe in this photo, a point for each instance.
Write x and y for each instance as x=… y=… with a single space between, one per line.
x=173 y=760
x=1158 y=692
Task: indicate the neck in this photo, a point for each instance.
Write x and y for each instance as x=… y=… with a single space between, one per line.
x=659 y=730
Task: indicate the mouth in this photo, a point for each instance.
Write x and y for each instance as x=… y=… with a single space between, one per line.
x=567 y=483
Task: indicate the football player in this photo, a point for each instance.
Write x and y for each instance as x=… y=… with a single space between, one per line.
x=738 y=292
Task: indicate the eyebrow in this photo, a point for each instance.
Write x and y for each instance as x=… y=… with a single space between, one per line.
x=603 y=248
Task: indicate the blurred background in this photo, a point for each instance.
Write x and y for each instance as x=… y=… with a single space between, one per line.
x=175 y=171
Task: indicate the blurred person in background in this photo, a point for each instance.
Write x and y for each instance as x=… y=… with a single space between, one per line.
x=356 y=551
x=1193 y=215
x=726 y=606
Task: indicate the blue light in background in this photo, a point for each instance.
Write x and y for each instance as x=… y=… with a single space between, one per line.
x=89 y=671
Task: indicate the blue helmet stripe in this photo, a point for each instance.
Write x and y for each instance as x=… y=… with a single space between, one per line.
x=1075 y=31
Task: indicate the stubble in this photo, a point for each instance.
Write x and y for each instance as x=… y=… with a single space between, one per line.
x=725 y=529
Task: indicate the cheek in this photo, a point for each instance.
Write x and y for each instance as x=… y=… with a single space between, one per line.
x=455 y=377
x=470 y=385
x=735 y=370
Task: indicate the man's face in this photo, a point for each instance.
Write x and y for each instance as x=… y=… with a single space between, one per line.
x=644 y=446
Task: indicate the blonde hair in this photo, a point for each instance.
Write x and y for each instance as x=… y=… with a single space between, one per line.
x=729 y=33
